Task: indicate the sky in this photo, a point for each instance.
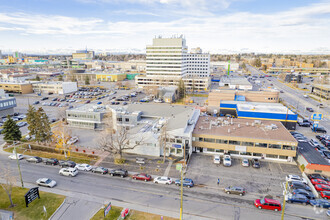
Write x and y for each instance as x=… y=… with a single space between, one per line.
x=127 y=26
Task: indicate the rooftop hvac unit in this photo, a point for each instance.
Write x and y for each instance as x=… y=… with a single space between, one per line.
x=257 y=122
x=228 y=130
x=252 y=124
x=239 y=125
x=247 y=123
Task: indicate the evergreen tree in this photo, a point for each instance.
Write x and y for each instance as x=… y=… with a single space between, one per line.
x=60 y=78
x=86 y=80
x=39 y=124
x=182 y=89
x=11 y=130
x=31 y=118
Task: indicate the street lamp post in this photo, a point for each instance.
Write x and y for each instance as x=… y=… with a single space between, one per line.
x=18 y=165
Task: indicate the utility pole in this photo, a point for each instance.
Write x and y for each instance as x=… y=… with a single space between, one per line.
x=182 y=169
x=18 y=165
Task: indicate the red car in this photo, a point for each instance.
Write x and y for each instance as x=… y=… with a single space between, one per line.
x=322 y=187
x=319 y=181
x=141 y=176
x=325 y=194
x=265 y=203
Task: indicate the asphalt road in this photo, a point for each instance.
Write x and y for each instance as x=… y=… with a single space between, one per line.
x=197 y=202
x=296 y=99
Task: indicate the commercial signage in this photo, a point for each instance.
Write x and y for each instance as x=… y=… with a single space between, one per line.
x=31 y=195
x=240 y=148
x=107 y=209
x=317 y=116
x=176 y=145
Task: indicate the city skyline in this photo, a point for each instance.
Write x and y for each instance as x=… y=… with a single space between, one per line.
x=226 y=26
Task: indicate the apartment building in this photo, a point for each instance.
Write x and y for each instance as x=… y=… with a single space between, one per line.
x=198 y=63
x=321 y=90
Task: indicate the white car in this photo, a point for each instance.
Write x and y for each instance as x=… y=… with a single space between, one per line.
x=158 y=101
x=163 y=180
x=73 y=140
x=83 y=167
x=245 y=162
x=46 y=182
x=227 y=161
x=291 y=178
x=13 y=157
x=216 y=159
x=69 y=171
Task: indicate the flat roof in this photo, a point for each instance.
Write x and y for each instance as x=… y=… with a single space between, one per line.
x=243 y=128
x=324 y=86
x=89 y=108
x=277 y=108
x=310 y=154
x=14 y=82
x=235 y=80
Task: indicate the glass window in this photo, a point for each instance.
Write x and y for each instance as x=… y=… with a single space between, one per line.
x=245 y=153
x=172 y=140
x=172 y=150
x=276 y=146
x=283 y=157
x=219 y=150
x=209 y=149
x=271 y=156
x=178 y=141
x=127 y=119
x=234 y=142
x=287 y=147
x=257 y=154
x=211 y=140
x=179 y=151
x=233 y=152
x=220 y=141
x=261 y=145
x=247 y=143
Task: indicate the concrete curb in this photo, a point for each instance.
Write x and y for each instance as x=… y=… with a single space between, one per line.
x=57 y=209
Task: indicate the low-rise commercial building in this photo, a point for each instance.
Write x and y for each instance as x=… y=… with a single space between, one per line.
x=16 y=87
x=7 y=104
x=83 y=55
x=246 y=138
x=260 y=111
x=110 y=77
x=322 y=91
x=88 y=116
x=55 y=87
x=235 y=83
x=268 y=96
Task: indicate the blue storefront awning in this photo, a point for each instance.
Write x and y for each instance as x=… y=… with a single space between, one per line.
x=239 y=98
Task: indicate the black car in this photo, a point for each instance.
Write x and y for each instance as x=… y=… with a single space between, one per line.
x=317 y=176
x=319 y=130
x=101 y=170
x=67 y=163
x=308 y=194
x=119 y=172
x=255 y=163
x=35 y=103
x=310 y=109
x=304 y=123
x=44 y=98
x=34 y=159
x=51 y=161
x=299 y=185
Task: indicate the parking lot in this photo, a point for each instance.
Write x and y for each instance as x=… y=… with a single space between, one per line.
x=267 y=180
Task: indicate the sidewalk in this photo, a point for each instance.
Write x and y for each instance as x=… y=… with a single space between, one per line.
x=75 y=208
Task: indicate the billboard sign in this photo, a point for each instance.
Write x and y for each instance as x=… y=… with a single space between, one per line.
x=31 y=195
x=317 y=116
x=107 y=209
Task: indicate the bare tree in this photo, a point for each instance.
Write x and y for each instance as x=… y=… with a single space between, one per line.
x=152 y=91
x=10 y=181
x=117 y=140
x=61 y=136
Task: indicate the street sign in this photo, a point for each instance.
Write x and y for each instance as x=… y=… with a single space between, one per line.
x=107 y=209
x=317 y=116
x=31 y=195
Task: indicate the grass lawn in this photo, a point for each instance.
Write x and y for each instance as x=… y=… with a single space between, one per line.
x=133 y=215
x=76 y=157
x=35 y=210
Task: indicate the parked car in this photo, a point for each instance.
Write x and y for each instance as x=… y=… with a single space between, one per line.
x=299 y=185
x=22 y=124
x=291 y=178
x=322 y=203
x=245 y=162
x=319 y=130
x=34 y=159
x=73 y=140
x=101 y=170
x=13 y=157
x=83 y=167
x=309 y=109
x=308 y=194
x=235 y=190
x=325 y=194
x=119 y=172
x=163 y=180
x=255 y=163
x=36 y=103
x=67 y=163
x=142 y=176
x=227 y=160
x=270 y=204
x=314 y=143
x=99 y=103
x=322 y=187
x=186 y=182
x=319 y=181
x=304 y=123
x=297 y=198
x=46 y=182
x=69 y=171
x=51 y=161
x=216 y=159
x=317 y=176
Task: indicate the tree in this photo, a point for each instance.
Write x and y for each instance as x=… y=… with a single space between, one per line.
x=257 y=62
x=116 y=141
x=61 y=136
x=37 y=78
x=11 y=130
x=243 y=66
x=39 y=124
x=9 y=182
x=87 y=80
x=182 y=89
x=60 y=78
x=264 y=67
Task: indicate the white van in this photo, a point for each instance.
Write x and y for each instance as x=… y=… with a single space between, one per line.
x=216 y=159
